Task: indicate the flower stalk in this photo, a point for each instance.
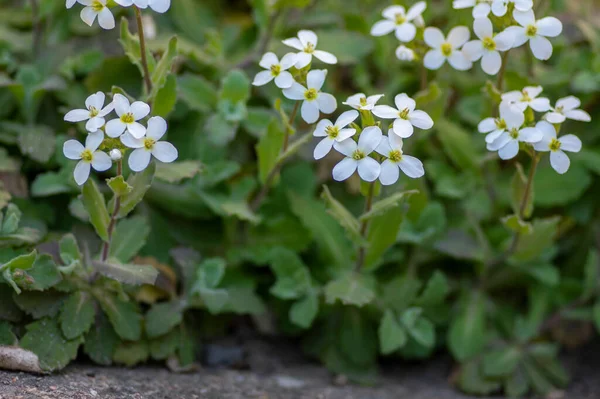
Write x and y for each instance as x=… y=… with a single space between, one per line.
x=140 y=27
x=364 y=228
x=113 y=217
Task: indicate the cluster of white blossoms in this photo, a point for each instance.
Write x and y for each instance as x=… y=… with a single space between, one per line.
x=513 y=127
x=372 y=154
x=482 y=8
x=132 y=134
x=292 y=74
x=101 y=9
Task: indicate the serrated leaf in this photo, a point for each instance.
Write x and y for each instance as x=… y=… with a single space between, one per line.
x=343 y=216
x=435 y=291
x=140 y=182
x=268 y=149
x=350 y=289
x=383 y=206
x=119 y=186
x=175 y=172
x=163 y=317
x=22 y=262
x=164 y=346
x=467 y=333
x=542 y=237
x=131 y=353
x=40 y=303
x=94 y=203
x=391 y=335
x=304 y=311
x=293 y=277
x=129 y=238
x=69 y=250
x=501 y=362
x=382 y=233
x=77 y=315
x=124 y=316
x=163 y=67
x=235 y=87
x=516 y=225
x=127 y=273
x=101 y=341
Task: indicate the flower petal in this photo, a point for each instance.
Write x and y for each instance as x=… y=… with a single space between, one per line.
x=288 y=61
x=345 y=134
x=570 y=143
x=458 y=36
x=115 y=128
x=157 y=127
x=262 y=78
x=487 y=125
x=524 y=18
x=327 y=103
x=403 y=128
x=421 y=119
x=310 y=111
x=105 y=19
x=140 y=110
x=81 y=172
x=403 y=101
x=369 y=139
x=459 y=61
x=555 y=117
x=385 y=112
x=411 y=166
x=293 y=42
x=323 y=148
x=491 y=62
x=384 y=148
x=136 y=129
x=308 y=37
x=461 y=4
x=77 y=115
x=483 y=28
x=303 y=59
x=160 y=6
x=369 y=169
x=88 y=15
x=354 y=100
x=433 y=37
x=73 y=149
x=95 y=100
x=101 y=161
x=346 y=147
x=295 y=92
x=93 y=140
x=540 y=104
x=434 y=59
x=346 y=118
x=481 y=10
x=416 y=10
x=541 y=47
x=165 y=152
x=504 y=40
x=344 y=169
x=549 y=26
x=391 y=12
x=139 y=159
x=500 y=142
x=568 y=103
x=523 y=5
x=389 y=173
x=406 y=32
x=121 y=103
x=578 y=115
x=500 y=7
x=129 y=141
x=509 y=151
x=316 y=78
x=325 y=56
x=473 y=50
x=519 y=35
x=284 y=80
x=560 y=162
x=320 y=130
x=530 y=135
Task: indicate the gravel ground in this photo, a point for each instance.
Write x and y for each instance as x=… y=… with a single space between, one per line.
x=273 y=373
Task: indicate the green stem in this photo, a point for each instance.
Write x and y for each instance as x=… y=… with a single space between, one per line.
x=140 y=28
x=113 y=217
x=500 y=82
x=364 y=228
x=37 y=27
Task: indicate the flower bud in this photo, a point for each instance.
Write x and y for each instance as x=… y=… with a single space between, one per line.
x=115 y=154
x=405 y=54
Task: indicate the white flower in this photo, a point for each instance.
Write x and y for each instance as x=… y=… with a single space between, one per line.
x=314 y=99
x=357 y=156
x=488 y=46
x=128 y=3
x=71 y=3
x=405 y=116
x=500 y=7
x=528 y=97
x=333 y=132
x=566 y=108
x=494 y=127
x=361 y=102
x=160 y=6
x=481 y=8
x=507 y=144
x=115 y=154
x=403 y=53
x=97 y=8
x=400 y=21
x=276 y=70
x=94 y=114
x=391 y=147
x=87 y=155
x=128 y=117
x=446 y=49
x=558 y=159
x=306 y=42
x=535 y=32
x=150 y=145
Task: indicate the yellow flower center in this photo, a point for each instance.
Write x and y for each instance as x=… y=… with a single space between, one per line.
x=97 y=6
x=357 y=155
x=554 y=145
x=404 y=113
x=311 y=94
x=87 y=156
x=310 y=48
x=94 y=112
x=127 y=118
x=531 y=30
x=149 y=143
x=489 y=44
x=275 y=69
x=395 y=155
x=559 y=110
x=400 y=19
x=332 y=131
x=525 y=96
x=500 y=123
x=514 y=133
x=446 y=49
x=363 y=101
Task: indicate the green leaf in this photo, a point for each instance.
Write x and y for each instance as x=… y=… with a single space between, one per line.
x=293 y=277
x=423 y=331
x=22 y=262
x=467 y=333
x=268 y=149
x=552 y=189
x=163 y=67
x=163 y=317
x=472 y=380
x=45 y=339
x=349 y=47
x=77 y=315
x=12 y=217
x=131 y=353
x=501 y=362
x=343 y=216
x=391 y=335
x=591 y=274
x=596 y=314
x=435 y=291
x=351 y=289
x=140 y=182
x=533 y=245
x=382 y=233
x=216 y=300
x=235 y=87
x=129 y=238
x=44 y=274
x=211 y=272
x=304 y=311
x=197 y=92
x=431 y=222
x=101 y=341
x=131 y=47
x=458 y=145
x=382 y=207
x=39 y=303
x=94 y=203
x=51 y=183
x=518 y=188
x=127 y=273
x=516 y=225
x=175 y=172
x=164 y=346
x=119 y=186
x=124 y=316
x=166 y=97
x=37 y=142
x=7 y=337
x=69 y=250
x=539 y=382
x=517 y=384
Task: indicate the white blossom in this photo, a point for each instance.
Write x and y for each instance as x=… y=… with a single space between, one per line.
x=507 y=143
x=567 y=108
x=405 y=116
x=88 y=156
x=115 y=154
x=160 y=6
x=314 y=99
x=128 y=114
x=500 y=7
x=306 y=42
x=361 y=102
x=535 y=32
x=404 y=53
x=481 y=8
x=399 y=21
x=357 y=156
x=528 y=97
x=276 y=69
x=488 y=45
x=443 y=49
x=97 y=8
x=494 y=127
x=150 y=146
x=70 y=3
x=557 y=146
x=391 y=148
x=94 y=113
x=332 y=133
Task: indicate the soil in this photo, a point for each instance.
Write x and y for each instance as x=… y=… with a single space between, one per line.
x=273 y=371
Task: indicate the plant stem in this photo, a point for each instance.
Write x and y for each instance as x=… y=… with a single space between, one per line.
x=37 y=28
x=140 y=28
x=364 y=228
x=113 y=217
x=260 y=197
x=500 y=82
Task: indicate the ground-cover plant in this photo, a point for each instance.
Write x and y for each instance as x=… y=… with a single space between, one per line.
x=319 y=166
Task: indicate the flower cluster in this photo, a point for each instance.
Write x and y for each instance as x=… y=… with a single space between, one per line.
x=516 y=124
x=132 y=134
x=101 y=9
